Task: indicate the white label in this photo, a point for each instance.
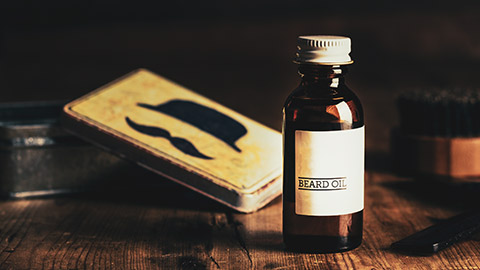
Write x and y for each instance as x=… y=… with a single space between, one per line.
x=329 y=170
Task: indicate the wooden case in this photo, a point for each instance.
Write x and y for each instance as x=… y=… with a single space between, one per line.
x=183 y=136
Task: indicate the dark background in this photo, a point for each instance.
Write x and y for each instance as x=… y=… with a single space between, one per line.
x=238 y=52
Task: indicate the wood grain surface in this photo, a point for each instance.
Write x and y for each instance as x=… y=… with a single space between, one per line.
x=169 y=227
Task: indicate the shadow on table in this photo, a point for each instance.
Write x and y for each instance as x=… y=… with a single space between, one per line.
x=378 y=161
x=137 y=186
x=437 y=192
x=429 y=190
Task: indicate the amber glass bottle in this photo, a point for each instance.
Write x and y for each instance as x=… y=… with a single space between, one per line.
x=323 y=132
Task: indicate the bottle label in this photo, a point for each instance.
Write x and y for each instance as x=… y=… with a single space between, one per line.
x=329 y=171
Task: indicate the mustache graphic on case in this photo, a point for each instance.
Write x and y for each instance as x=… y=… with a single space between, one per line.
x=181 y=144
x=209 y=120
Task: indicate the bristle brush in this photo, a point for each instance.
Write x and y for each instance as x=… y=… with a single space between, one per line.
x=439 y=134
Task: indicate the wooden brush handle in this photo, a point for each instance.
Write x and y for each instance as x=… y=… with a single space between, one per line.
x=451 y=157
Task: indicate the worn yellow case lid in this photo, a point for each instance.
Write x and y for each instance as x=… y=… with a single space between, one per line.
x=183 y=136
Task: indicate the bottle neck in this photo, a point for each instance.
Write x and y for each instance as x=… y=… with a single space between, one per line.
x=315 y=74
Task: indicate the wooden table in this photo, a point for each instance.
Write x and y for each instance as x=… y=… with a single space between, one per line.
x=169 y=227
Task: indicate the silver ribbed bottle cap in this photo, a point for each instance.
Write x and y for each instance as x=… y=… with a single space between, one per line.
x=323 y=50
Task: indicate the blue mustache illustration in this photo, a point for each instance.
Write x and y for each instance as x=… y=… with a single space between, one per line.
x=181 y=144
x=209 y=120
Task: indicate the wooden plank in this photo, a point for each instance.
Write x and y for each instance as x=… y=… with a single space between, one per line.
x=170 y=227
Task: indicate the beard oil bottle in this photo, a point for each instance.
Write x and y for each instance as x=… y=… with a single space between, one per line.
x=323 y=148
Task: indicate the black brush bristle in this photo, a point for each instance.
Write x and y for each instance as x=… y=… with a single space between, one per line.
x=440 y=113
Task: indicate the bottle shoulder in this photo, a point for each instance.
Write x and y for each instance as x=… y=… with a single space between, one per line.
x=316 y=105
x=318 y=94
